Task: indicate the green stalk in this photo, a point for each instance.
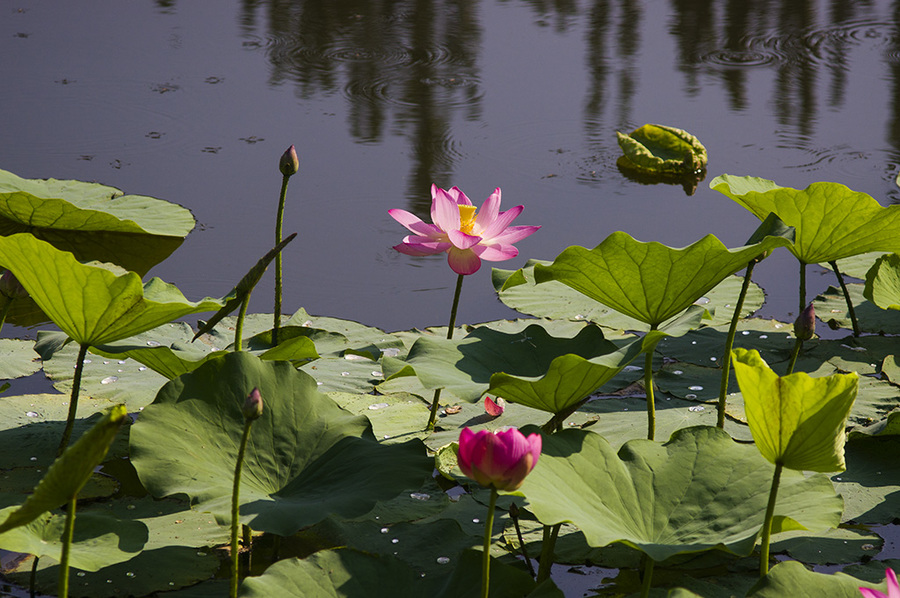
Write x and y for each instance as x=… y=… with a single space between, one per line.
x=795 y=352
x=73 y=399
x=247 y=541
x=486 y=557
x=239 y=327
x=33 y=578
x=648 y=389
x=279 y=221
x=235 y=503
x=68 y=533
x=5 y=312
x=648 y=576
x=767 y=523
x=514 y=515
x=850 y=309
x=547 y=551
x=802 y=287
x=435 y=401
x=729 y=343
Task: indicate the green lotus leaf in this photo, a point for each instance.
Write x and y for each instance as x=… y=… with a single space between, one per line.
x=348 y=573
x=649 y=282
x=99 y=540
x=792 y=578
x=89 y=303
x=871 y=484
x=70 y=472
x=306 y=458
x=883 y=282
x=569 y=378
x=93 y=221
x=465 y=366
x=796 y=420
x=698 y=491
x=663 y=150
x=17 y=359
x=831 y=308
x=831 y=221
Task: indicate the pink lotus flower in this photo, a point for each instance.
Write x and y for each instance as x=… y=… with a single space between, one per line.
x=466 y=234
x=500 y=459
x=893 y=587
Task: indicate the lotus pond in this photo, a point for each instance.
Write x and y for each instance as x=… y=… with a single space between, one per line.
x=646 y=331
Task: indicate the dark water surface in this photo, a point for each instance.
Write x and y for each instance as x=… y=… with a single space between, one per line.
x=194 y=102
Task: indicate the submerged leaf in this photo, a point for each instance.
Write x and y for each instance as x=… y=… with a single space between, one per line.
x=796 y=420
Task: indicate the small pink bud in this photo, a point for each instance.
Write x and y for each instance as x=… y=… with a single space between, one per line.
x=499 y=459
x=11 y=287
x=493 y=408
x=289 y=163
x=253 y=405
x=805 y=324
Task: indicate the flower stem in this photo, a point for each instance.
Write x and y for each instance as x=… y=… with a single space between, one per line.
x=279 y=221
x=239 y=326
x=68 y=533
x=486 y=557
x=73 y=399
x=850 y=310
x=235 y=503
x=767 y=522
x=514 y=515
x=437 y=392
x=729 y=343
x=795 y=352
x=648 y=389
x=648 y=576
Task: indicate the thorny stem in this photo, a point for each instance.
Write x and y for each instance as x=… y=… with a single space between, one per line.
x=73 y=399
x=729 y=343
x=435 y=401
x=279 y=220
x=850 y=310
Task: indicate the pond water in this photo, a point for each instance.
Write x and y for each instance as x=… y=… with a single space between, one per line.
x=194 y=105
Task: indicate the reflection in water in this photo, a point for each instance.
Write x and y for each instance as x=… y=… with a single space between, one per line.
x=410 y=67
x=407 y=67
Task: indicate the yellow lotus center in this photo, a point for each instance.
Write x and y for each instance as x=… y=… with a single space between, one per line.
x=467 y=218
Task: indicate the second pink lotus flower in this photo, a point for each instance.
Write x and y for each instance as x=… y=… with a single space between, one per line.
x=466 y=234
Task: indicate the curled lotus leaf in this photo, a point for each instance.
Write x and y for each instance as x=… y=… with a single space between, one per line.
x=883 y=282
x=662 y=150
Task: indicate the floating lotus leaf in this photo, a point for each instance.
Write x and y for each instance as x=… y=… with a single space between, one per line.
x=871 y=484
x=89 y=303
x=659 y=149
x=792 y=578
x=698 y=491
x=649 y=282
x=93 y=221
x=70 y=472
x=831 y=221
x=465 y=366
x=99 y=540
x=17 y=359
x=796 y=420
x=306 y=458
x=348 y=573
x=838 y=545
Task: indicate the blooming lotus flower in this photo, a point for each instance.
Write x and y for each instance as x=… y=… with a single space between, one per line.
x=499 y=459
x=466 y=234
x=893 y=587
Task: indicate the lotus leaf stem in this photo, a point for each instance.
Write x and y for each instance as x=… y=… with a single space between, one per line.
x=647 y=577
x=435 y=400
x=68 y=533
x=767 y=522
x=235 y=511
x=33 y=579
x=551 y=533
x=239 y=326
x=729 y=343
x=247 y=541
x=850 y=310
x=648 y=389
x=514 y=515
x=486 y=557
x=802 y=287
x=279 y=221
x=73 y=399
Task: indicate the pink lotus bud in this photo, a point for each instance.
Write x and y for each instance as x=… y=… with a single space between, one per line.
x=893 y=587
x=253 y=405
x=11 y=287
x=805 y=324
x=494 y=408
x=499 y=459
x=289 y=163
